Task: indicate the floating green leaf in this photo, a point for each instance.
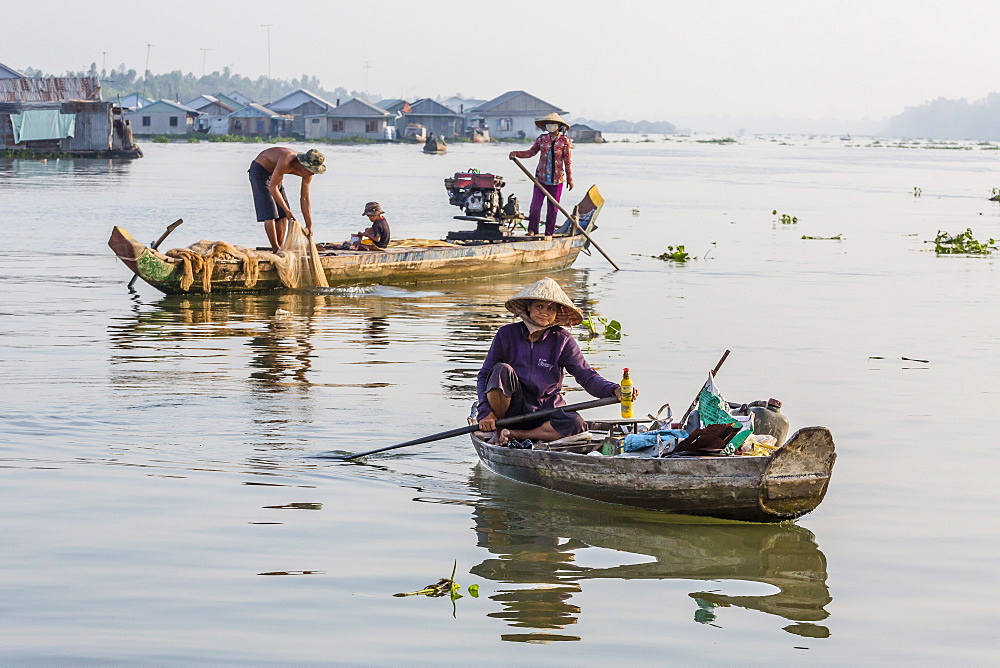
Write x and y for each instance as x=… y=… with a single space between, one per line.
x=675 y=254
x=962 y=244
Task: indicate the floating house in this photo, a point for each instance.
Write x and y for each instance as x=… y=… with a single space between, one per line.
x=61 y=116
x=300 y=104
x=354 y=118
x=436 y=117
x=162 y=117
x=579 y=132
x=511 y=115
x=256 y=120
x=213 y=115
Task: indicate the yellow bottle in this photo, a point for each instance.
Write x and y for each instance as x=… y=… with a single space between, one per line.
x=626 y=395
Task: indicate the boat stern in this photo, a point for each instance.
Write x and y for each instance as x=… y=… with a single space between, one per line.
x=798 y=475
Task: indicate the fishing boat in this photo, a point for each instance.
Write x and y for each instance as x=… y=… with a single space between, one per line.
x=787 y=484
x=492 y=249
x=434 y=145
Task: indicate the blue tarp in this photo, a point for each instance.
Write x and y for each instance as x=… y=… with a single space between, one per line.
x=36 y=124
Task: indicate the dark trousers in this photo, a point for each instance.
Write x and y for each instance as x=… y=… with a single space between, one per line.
x=504 y=378
x=535 y=212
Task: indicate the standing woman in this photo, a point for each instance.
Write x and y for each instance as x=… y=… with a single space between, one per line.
x=555 y=165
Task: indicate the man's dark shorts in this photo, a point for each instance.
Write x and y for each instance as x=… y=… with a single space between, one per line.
x=504 y=378
x=267 y=208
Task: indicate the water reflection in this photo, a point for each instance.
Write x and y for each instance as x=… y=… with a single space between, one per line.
x=535 y=537
x=64 y=172
x=283 y=328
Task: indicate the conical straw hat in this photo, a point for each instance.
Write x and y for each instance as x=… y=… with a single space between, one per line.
x=551 y=118
x=545 y=290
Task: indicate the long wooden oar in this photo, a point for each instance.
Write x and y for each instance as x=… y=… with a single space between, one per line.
x=559 y=206
x=503 y=422
x=156 y=244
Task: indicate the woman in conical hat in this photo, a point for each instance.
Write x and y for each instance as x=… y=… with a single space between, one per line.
x=524 y=369
x=555 y=165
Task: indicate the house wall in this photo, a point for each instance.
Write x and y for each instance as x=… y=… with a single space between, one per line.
x=517 y=122
x=92 y=133
x=315 y=127
x=441 y=126
x=159 y=123
x=356 y=127
x=216 y=125
x=307 y=109
x=93 y=126
x=258 y=126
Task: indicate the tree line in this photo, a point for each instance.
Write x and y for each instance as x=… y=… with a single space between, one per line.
x=181 y=87
x=949 y=119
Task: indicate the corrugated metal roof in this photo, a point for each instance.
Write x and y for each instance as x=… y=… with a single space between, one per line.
x=52 y=89
x=254 y=110
x=297 y=99
x=358 y=108
x=429 y=107
x=517 y=101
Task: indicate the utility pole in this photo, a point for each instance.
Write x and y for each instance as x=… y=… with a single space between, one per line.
x=366 y=67
x=204 y=53
x=104 y=62
x=268 y=26
x=145 y=78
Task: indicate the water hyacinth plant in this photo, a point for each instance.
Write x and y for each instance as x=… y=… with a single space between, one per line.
x=962 y=244
x=597 y=325
x=785 y=218
x=675 y=254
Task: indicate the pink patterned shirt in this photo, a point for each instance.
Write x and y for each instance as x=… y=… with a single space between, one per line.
x=555 y=164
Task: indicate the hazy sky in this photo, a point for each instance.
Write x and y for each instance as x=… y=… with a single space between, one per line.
x=656 y=60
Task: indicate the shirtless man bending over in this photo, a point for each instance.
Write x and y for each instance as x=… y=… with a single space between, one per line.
x=266 y=174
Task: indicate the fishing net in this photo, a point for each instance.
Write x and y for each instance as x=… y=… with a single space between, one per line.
x=292 y=261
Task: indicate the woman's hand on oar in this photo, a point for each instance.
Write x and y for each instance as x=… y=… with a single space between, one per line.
x=471 y=428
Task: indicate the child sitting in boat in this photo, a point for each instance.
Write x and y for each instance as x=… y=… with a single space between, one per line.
x=524 y=369
x=374 y=238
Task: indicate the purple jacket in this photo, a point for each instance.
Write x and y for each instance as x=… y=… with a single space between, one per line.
x=539 y=366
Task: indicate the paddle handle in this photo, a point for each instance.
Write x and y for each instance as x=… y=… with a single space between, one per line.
x=503 y=422
x=559 y=206
x=156 y=244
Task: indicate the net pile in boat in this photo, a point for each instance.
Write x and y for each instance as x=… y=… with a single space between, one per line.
x=292 y=260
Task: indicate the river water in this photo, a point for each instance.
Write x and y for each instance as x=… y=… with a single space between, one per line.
x=158 y=502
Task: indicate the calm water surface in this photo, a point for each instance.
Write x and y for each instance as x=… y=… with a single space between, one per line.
x=158 y=504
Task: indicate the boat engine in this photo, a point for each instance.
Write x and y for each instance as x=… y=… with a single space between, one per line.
x=478 y=195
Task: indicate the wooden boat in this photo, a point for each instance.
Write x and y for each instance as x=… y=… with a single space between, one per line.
x=493 y=253
x=788 y=484
x=435 y=145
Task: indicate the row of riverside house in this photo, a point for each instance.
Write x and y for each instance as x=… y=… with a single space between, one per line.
x=60 y=116
x=305 y=115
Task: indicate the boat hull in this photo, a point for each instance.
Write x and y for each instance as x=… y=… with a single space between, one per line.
x=789 y=484
x=395 y=266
